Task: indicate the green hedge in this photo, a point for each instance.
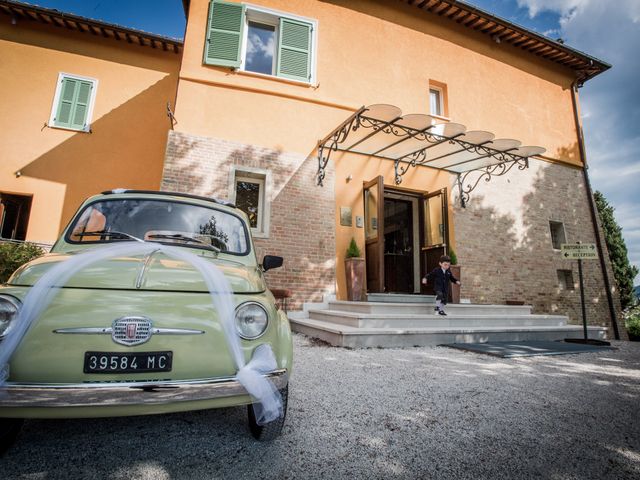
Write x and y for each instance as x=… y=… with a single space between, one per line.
x=13 y=255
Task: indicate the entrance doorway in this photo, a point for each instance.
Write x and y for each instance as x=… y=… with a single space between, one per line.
x=405 y=235
x=399 y=244
x=14 y=216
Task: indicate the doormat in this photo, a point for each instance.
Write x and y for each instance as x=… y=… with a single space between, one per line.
x=527 y=349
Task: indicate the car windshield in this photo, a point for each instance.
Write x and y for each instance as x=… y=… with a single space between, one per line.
x=161 y=221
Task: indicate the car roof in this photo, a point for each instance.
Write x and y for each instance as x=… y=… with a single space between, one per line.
x=117 y=191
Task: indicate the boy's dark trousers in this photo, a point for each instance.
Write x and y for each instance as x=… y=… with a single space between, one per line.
x=441 y=282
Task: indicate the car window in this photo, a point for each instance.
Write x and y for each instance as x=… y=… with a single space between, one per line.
x=162 y=221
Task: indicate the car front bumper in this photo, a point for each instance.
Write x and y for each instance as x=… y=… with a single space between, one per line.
x=115 y=394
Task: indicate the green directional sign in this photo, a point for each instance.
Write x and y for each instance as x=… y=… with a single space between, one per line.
x=578 y=251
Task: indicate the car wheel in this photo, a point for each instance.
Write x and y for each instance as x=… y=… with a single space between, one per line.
x=270 y=430
x=9 y=429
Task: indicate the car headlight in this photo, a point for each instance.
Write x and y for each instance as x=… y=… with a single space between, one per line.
x=9 y=308
x=251 y=320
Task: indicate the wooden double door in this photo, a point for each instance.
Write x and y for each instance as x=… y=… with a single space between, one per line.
x=405 y=235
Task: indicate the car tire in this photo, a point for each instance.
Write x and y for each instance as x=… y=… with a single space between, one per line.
x=9 y=429
x=271 y=430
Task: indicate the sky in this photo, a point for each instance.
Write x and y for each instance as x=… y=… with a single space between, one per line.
x=162 y=17
x=610 y=103
x=608 y=30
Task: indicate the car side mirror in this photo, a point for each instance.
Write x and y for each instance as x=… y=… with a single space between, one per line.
x=271 y=261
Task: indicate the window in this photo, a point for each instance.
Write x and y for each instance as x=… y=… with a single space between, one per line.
x=438 y=105
x=260 y=52
x=565 y=280
x=557 y=234
x=435 y=102
x=249 y=191
x=249 y=199
x=259 y=40
x=73 y=102
x=14 y=215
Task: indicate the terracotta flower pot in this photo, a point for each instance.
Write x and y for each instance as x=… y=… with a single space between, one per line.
x=354 y=268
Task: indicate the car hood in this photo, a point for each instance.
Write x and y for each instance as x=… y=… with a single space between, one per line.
x=155 y=272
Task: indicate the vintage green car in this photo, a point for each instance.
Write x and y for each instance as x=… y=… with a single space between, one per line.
x=126 y=316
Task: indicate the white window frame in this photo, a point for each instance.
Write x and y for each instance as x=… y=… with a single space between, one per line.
x=263 y=178
x=440 y=92
x=267 y=16
x=56 y=98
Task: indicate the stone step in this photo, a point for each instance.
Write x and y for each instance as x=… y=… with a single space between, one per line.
x=400 y=298
x=354 y=337
x=421 y=308
x=453 y=319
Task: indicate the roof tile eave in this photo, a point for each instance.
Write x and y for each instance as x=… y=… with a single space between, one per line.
x=64 y=20
x=587 y=65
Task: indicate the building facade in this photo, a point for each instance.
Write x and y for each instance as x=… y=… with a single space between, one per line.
x=85 y=107
x=267 y=95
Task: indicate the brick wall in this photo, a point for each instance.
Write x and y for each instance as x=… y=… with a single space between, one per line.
x=302 y=214
x=504 y=243
x=503 y=236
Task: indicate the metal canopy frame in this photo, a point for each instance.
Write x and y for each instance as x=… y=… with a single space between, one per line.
x=469 y=161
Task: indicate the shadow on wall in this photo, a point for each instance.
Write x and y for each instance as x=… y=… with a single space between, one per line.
x=302 y=214
x=505 y=248
x=125 y=150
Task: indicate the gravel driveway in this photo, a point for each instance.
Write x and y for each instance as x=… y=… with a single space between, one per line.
x=411 y=413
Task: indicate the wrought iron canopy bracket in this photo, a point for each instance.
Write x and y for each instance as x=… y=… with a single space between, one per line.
x=486 y=173
x=331 y=142
x=420 y=157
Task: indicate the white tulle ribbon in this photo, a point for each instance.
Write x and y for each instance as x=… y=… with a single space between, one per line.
x=250 y=375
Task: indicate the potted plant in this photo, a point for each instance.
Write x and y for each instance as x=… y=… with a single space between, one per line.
x=455 y=270
x=355 y=271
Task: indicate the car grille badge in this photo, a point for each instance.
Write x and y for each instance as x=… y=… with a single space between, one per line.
x=131 y=331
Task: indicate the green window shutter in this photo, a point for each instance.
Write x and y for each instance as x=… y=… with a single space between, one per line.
x=73 y=103
x=294 y=50
x=65 y=102
x=224 y=34
x=81 y=109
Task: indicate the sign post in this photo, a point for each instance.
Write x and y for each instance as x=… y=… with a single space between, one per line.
x=580 y=251
x=584 y=309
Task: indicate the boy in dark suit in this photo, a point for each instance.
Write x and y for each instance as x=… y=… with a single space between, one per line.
x=441 y=277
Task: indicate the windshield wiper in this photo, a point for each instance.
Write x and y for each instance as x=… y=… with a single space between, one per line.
x=178 y=236
x=111 y=233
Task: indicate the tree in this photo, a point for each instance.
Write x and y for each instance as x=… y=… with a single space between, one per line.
x=623 y=271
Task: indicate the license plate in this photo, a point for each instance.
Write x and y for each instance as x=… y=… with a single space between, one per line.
x=111 y=362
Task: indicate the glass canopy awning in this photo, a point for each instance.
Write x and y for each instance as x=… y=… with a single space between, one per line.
x=422 y=140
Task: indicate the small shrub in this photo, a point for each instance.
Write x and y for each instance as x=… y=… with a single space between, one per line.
x=632 y=321
x=353 y=251
x=453 y=257
x=13 y=255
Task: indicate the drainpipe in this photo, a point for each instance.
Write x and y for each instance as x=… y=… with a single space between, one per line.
x=592 y=207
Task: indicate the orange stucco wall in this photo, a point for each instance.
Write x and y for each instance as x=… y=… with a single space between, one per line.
x=377 y=52
x=60 y=168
